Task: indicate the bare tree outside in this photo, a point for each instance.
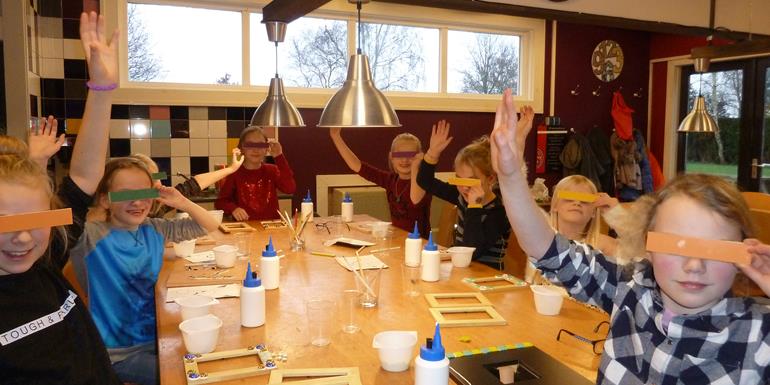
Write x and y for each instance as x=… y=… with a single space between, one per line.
x=320 y=58
x=143 y=64
x=494 y=66
x=395 y=56
x=226 y=79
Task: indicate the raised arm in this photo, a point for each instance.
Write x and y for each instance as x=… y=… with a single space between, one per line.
x=207 y=179
x=171 y=197
x=532 y=229
x=416 y=193
x=90 y=152
x=43 y=142
x=346 y=153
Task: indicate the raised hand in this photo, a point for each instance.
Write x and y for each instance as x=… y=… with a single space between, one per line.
x=275 y=148
x=759 y=269
x=439 y=139
x=507 y=155
x=237 y=160
x=524 y=125
x=43 y=142
x=476 y=195
x=101 y=54
x=171 y=197
x=605 y=202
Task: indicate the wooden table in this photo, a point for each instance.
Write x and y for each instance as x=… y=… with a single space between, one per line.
x=304 y=276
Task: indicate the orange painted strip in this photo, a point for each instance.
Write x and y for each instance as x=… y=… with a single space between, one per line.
x=468 y=182
x=725 y=251
x=28 y=221
x=577 y=196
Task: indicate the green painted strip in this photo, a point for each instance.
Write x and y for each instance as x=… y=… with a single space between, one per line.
x=159 y=175
x=132 y=195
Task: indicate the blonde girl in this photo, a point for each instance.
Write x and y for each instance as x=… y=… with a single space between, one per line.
x=408 y=202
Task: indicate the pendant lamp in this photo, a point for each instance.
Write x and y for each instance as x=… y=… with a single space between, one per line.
x=358 y=103
x=276 y=110
x=699 y=120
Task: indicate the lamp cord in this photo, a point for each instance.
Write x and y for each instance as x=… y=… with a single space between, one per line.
x=358 y=7
x=276 y=59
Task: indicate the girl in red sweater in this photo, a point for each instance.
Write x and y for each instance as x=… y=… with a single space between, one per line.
x=250 y=192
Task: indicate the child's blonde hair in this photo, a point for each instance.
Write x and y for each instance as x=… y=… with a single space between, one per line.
x=713 y=192
x=591 y=231
x=402 y=137
x=16 y=169
x=148 y=162
x=247 y=131
x=477 y=155
x=10 y=145
x=111 y=169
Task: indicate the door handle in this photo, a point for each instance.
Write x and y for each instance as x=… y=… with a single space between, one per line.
x=756 y=165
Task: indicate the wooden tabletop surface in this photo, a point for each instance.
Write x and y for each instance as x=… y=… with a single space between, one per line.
x=305 y=276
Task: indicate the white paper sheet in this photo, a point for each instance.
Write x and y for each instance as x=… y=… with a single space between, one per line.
x=368 y=261
x=343 y=241
x=216 y=291
x=204 y=256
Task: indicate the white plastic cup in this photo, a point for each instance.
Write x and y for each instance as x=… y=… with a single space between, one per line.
x=195 y=305
x=218 y=215
x=461 y=255
x=200 y=334
x=445 y=270
x=395 y=349
x=380 y=229
x=225 y=256
x=548 y=299
x=184 y=248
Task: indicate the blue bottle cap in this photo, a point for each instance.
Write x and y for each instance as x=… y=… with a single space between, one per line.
x=269 y=250
x=415 y=234
x=433 y=350
x=307 y=198
x=347 y=198
x=251 y=279
x=430 y=246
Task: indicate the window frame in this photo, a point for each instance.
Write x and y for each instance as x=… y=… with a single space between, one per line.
x=530 y=31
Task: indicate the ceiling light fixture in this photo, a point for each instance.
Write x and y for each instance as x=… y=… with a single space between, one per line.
x=699 y=120
x=358 y=103
x=276 y=110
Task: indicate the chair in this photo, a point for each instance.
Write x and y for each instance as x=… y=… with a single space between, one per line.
x=742 y=285
x=757 y=200
x=69 y=273
x=515 y=260
x=445 y=235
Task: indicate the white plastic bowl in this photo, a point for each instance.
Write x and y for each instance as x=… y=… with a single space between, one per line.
x=461 y=255
x=548 y=299
x=200 y=334
x=218 y=215
x=195 y=305
x=184 y=248
x=225 y=255
x=395 y=349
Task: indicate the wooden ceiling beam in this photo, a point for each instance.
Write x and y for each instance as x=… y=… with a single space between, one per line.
x=572 y=17
x=289 y=10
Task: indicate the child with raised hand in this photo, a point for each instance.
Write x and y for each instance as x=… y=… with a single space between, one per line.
x=250 y=192
x=481 y=221
x=672 y=318
x=408 y=203
x=46 y=332
x=118 y=261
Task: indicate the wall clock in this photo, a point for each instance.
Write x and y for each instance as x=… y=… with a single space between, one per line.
x=607 y=60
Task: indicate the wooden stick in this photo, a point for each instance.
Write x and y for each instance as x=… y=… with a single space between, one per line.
x=577 y=196
x=718 y=250
x=36 y=220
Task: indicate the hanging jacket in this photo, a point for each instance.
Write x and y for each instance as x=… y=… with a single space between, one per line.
x=621 y=116
x=600 y=144
x=578 y=158
x=627 y=171
x=644 y=163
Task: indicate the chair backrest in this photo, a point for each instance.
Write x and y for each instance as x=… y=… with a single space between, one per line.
x=515 y=260
x=446 y=226
x=761 y=220
x=757 y=200
x=69 y=274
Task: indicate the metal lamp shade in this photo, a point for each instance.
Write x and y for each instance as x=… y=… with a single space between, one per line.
x=699 y=120
x=358 y=103
x=276 y=110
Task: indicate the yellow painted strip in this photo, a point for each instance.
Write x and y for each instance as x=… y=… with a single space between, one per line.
x=578 y=196
x=468 y=182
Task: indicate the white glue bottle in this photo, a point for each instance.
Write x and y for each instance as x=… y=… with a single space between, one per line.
x=270 y=265
x=431 y=261
x=413 y=248
x=252 y=300
x=306 y=208
x=431 y=367
x=347 y=208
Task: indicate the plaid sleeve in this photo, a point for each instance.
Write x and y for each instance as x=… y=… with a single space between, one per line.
x=585 y=272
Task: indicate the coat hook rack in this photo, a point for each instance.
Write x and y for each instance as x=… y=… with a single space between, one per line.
x=597 y=91
x=638 y=93
x=575 y=91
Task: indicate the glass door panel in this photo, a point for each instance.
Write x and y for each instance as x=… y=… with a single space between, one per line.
x=764 y=181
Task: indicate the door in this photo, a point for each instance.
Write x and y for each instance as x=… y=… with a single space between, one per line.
x=736 y=95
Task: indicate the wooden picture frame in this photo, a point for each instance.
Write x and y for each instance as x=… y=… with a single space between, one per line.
x=494 y=319
x=433 y=298
x=326 y=376
x=479 y=283
x=195 y=376
x=235 y=227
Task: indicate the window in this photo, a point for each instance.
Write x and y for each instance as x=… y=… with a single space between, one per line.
x=183 y=45
x=482 y=63
x=312 y=55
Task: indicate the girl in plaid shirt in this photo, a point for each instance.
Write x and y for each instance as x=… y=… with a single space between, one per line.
x=673 y=318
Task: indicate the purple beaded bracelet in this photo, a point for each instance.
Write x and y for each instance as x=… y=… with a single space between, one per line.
x=96 y=87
